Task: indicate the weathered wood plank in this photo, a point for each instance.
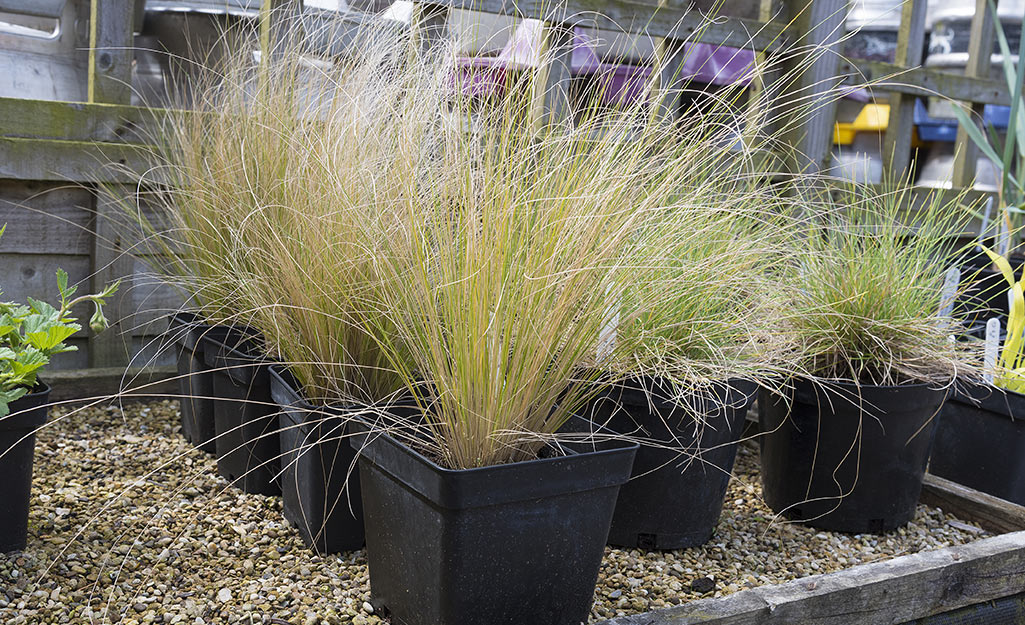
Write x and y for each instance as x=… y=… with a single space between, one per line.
x=923 y=82
x=133 y=384
x=910 y=41
x=70 y=161
x=813 y=78
x=672 y=20
x=110 y=51
x=980 y=46
x=45 y=218
x=110 y=263
x=76 y=121
x=992 y=513
x=893 y=591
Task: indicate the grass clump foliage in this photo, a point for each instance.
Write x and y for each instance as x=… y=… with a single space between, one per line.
x=866 y=296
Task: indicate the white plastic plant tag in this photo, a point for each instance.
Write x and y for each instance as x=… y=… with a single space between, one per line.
x=949 y=292
x=607 y=336
x=992 y=348
x=1003 y=238
x=984 y=228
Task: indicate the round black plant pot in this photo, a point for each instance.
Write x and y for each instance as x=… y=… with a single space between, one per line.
x=674 y=497
x=17 y=447
x=320 y=489
x=501 y=545
x=195 y=380
x=980 y=442
x=844 y=458
x=245 y=415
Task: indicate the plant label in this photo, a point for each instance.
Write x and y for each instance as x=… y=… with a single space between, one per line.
x=992 y=347
x=949 y=292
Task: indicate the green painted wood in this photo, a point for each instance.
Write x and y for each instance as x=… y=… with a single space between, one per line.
x=70 y=161
x=76 y=121
x=110 y=51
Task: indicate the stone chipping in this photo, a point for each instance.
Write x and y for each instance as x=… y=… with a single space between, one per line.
x=129 y=524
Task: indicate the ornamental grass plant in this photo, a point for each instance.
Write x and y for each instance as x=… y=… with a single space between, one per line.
x=865 y=303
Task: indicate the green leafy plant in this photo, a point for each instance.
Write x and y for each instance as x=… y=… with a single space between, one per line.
x=31 y=334
x=1008 y=156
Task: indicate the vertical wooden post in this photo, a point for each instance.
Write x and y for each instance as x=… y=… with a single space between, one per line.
x=551 y=99
x=813 y=80
x=897 y=143
x=110 y=82
x=276 y=21
x=669 y=55
x=430 y=25
x=110 y=51
x=980 y=50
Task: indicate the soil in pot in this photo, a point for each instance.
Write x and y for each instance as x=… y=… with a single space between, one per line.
x=320 y=488
x=845 y=458
x=501 y=545
x=195 y=381
x=675 y=495
x=245 y=415
x=17 y=447
x=980 y=442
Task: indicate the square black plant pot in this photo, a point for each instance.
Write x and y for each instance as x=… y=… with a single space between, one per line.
x=980 y=442
x=245 y=415
x=17 y=448
x=501 y=545
x=320 y=488
x=844 y=457
x=186 y=331
x=675 y=496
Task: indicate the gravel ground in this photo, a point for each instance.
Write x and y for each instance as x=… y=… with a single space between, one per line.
x=131 y=525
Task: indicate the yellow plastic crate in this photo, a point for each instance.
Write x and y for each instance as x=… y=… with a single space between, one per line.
x=872 y=118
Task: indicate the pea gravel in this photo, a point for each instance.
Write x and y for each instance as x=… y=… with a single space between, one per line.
x=129 y=524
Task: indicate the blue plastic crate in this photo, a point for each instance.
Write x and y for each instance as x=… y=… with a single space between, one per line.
x=945 y=129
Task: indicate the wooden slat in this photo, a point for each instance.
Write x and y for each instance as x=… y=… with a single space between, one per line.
x=552 y=103
x=35 y=275
x=992 y=513
x=893 y=591
x=897 y=142
x=813 y=78
x=74 y=121
x=980 y=48
x=68 y=161
x=110 y=51
x=111 y=347
x=45 y=218
x=654 y=19
x=923 y=82
x=430 y=25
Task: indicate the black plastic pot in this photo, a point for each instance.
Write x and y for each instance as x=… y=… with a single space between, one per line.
x=17 y=447
x=981 y=442
x=320 y=481
x=502 y=545
x=838 y=462
x=195 y=382
x=245 y=415
x=674 y=498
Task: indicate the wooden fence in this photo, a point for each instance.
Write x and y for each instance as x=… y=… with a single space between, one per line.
x=52 y=153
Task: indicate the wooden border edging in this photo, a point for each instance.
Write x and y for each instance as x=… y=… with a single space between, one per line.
x=991 y=513
x=142 y=383
x=894 y=591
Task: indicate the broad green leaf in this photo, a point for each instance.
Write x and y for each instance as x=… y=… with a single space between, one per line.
x=43 y=309
x=51 y=337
